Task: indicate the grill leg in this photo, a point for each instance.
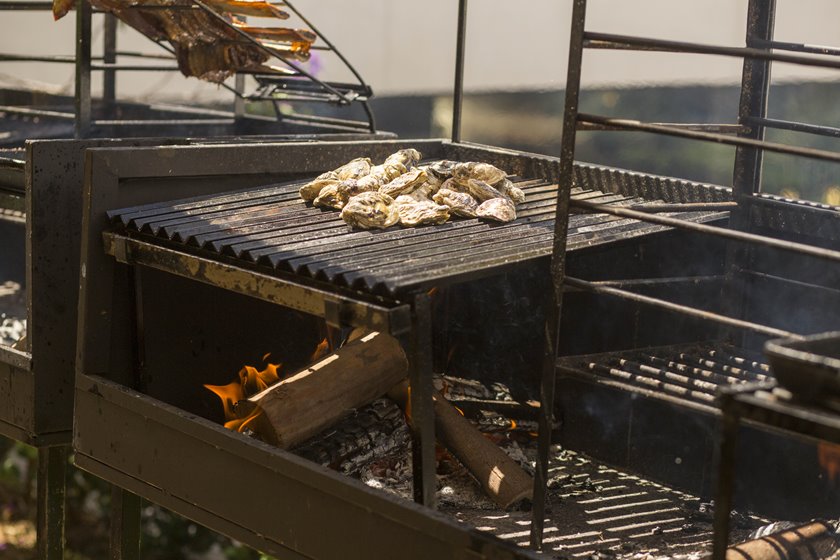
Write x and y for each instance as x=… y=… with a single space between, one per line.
x=52 y=470
x=422 y=405
x=730 y=422
x=125 y=525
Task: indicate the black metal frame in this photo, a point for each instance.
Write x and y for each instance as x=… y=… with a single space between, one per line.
x=760 y=51
x=299 y=85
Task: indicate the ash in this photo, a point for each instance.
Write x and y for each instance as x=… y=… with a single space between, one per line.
x=593 y=510
x=12 y=313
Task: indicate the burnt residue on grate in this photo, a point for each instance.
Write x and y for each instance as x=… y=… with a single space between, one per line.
x=272 y=227
x=689 y=371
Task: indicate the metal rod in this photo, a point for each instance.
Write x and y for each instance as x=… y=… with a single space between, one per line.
x=460 y=53
x=162 y=122
x=725 y=484
x=717 y=128
x=109 y=50
x=682 y=309
x=57 y=58
x=39 y=6
x=36 y=112
x=134 y=68
x=629 y=124
x=820 y=130
x=685 y=207
x=422 y=403
x=565 y=175
x=238 y=100
x=52 y=472
x=371 y=117
x=326 y=120
x=82 y=99
x=800 y=248
x=135 y=54
x=796 y=47
x=125 y=525
x=613 y=41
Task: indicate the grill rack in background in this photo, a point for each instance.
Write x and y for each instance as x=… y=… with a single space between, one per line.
x=747 y=136
x=295 y=85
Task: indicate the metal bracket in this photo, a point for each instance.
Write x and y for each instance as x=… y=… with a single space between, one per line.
x=332 y=312
x=121 y=251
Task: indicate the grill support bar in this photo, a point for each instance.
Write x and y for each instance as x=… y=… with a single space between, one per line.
x=52 y=472
x=460 y=46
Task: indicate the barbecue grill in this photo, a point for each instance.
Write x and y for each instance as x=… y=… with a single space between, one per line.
x=257 y=240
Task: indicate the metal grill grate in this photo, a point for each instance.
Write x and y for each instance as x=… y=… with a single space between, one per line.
x=271 y=227
x=692 y=372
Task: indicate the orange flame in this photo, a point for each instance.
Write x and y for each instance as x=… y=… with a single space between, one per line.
x=321 y=350
x=828 y=455
x=249 y=383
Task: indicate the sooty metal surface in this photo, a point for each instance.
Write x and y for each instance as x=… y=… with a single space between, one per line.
x=693 y=372
x=271 y=227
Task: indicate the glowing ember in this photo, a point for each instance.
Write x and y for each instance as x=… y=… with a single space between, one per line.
x=828 y=455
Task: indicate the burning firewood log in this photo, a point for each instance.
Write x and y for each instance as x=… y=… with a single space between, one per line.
x=817 y=539
x=370 y=365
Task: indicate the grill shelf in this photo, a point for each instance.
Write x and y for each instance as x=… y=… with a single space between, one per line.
x=272 y=228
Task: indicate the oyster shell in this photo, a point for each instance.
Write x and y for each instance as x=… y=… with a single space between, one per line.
x=354 y=169
x=404 y=183
x=352 y=187
x=370 y=210
x=415 y=213
x=407 y=157
x=459 y=203
x=498 y=209
x=310 y=190
x=510 y=190
x=490 y=174
x=481 y=190
x=331 y=197
x=442 y=169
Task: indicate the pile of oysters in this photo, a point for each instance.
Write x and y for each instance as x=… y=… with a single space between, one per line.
x=400 y=191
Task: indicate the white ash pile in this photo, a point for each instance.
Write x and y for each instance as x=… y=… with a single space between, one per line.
x=12 y=313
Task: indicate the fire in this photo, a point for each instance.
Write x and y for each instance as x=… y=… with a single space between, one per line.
x=828 y=455
x=250 y=381
x=321 y=350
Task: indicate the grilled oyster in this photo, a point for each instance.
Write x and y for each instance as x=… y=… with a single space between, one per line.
x=514 y=193
x=352 y=187
x=407 y=157
x=476 y=170
x=481 y=190
x=498 y=209
x=415 y=213
x=331 y=196
x=370 y=210
x=310 y=190
x=354 y=169
x=404 y=183
x=442 y=169
x=459 y=203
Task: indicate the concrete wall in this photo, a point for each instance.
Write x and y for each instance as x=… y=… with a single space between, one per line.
x=404 y=47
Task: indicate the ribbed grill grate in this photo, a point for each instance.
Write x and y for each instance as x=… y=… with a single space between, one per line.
x=272 y=227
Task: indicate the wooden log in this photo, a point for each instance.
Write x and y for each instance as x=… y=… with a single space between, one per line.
x=313 y=399
x=502 y=479
x=812 y=540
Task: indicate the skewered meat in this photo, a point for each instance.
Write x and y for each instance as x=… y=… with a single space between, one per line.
x=498 y=209
x=476 y=170
x=370 y=210
x=404 y=183
x=415 y=213
x=459 y=203
x=256 y=8
x=282 y=34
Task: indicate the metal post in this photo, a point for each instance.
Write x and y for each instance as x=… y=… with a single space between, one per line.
x=730 y=421
x=83 y=101
x=125 y=525
x=109 y=50
x=460 y=47
x=421 y=402
x=52 y=471
x=558 y=270
x=238 y=100
x=746 y=174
